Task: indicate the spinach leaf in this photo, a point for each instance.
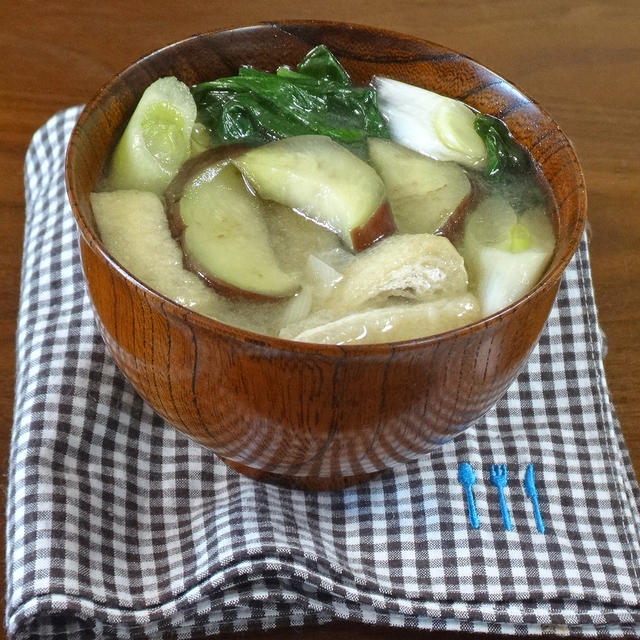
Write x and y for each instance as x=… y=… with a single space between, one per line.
x=321 y=64
x=505 y=157
x=316 y=98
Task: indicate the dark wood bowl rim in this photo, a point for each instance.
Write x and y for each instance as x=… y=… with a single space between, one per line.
x=549 y=280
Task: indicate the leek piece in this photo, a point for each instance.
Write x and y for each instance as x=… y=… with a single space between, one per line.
x=434 y=125
x=157 y=139
x=506 y=253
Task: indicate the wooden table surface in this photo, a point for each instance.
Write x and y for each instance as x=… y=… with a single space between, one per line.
x=580 y=60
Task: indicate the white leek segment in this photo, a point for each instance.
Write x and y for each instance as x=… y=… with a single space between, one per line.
x=157 y=139
x=429 y=123
x=506 y=252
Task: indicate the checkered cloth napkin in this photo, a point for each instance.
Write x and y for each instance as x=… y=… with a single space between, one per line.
x=120 y=527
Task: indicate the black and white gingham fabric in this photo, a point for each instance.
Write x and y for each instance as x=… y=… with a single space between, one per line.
x=120 y=527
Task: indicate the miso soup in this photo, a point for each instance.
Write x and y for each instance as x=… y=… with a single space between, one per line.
x=328 y=213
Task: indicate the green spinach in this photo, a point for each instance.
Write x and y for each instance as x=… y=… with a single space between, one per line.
x=317 y=97
x=505 y=157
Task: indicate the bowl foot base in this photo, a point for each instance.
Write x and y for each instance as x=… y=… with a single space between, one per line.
x=313 y=483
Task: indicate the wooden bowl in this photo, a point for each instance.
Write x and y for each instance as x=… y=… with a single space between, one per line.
x=307 y=415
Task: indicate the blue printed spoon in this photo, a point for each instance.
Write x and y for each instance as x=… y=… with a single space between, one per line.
x=467 y=478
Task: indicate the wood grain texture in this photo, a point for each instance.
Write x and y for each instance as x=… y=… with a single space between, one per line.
x=578 y=59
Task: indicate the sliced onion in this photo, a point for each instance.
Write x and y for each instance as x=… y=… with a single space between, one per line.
x=321 y=273
x=298 y=307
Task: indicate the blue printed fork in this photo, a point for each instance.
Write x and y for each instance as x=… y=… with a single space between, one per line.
x=499 y=478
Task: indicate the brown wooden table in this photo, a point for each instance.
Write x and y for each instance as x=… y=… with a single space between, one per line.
x=580 y=60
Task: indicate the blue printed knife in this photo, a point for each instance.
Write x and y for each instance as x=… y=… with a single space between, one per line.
x=532 y=492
